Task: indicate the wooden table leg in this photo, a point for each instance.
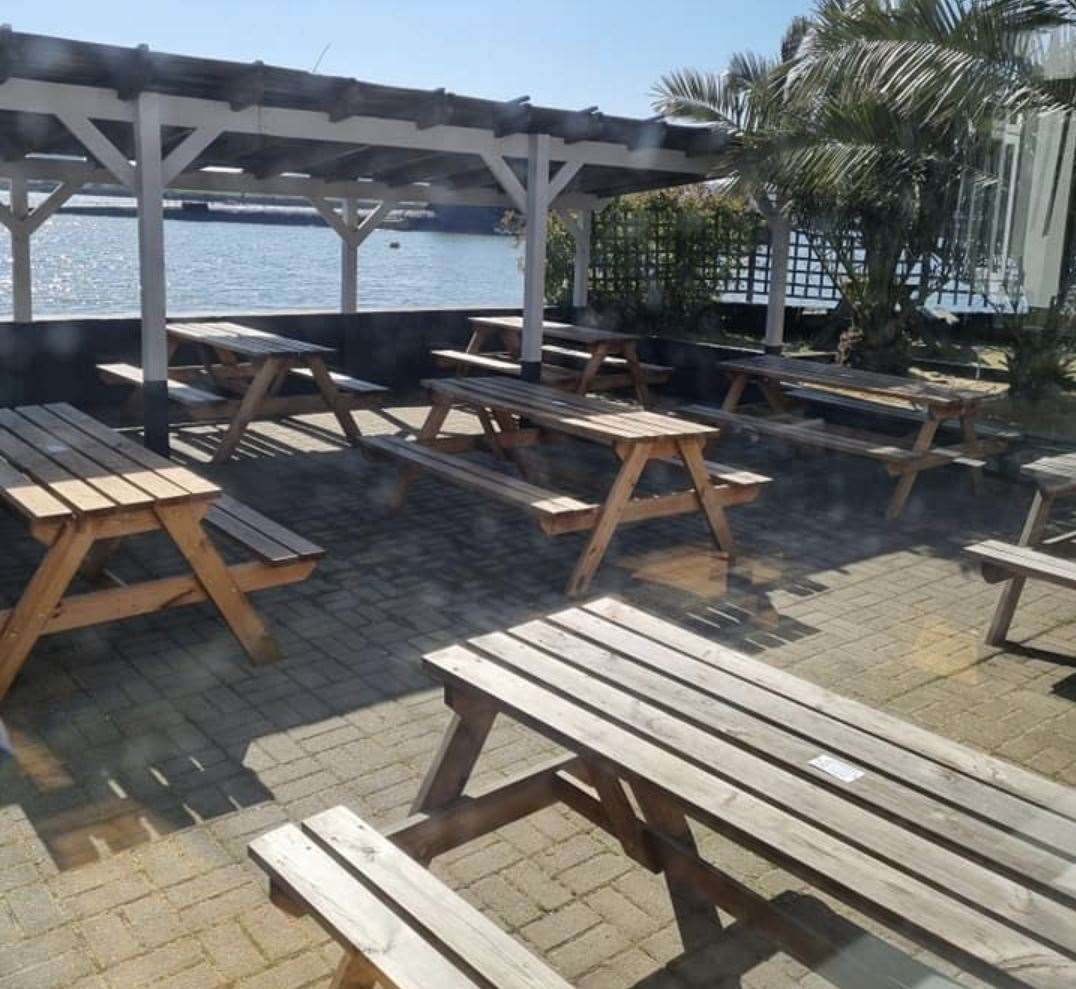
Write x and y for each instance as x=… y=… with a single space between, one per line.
x=619 y=495
x=252 y=399
x=691 y=454
x=735 y=392
x=922 y=443
x=696 y=915
x=28 y=618
x=972 y=449
x=354 y=972
x=461 y=745
x=1034 y=525
x=334 y=399
x=591 y=368
x=638 y=377
x=192 y=541
x=435 y=419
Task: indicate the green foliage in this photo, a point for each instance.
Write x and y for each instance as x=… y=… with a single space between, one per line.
x=1041 y=354
x=658 y=260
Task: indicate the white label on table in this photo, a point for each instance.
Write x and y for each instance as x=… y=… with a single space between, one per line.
x=842 y=770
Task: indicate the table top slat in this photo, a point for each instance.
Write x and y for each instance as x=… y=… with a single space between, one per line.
x=553 y=330
x=245 y=340
x=57 y=448
x=988 y=826
x=1054 y=474
x=30 y=499
x=157 y=487
x=852 y=379
x=59 y=481
x=182 y=477
x=589 y=418
x=882 y=881
x=1037 y=790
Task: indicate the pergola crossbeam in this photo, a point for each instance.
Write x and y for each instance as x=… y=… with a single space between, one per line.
x=508 y=180
x=102 y=149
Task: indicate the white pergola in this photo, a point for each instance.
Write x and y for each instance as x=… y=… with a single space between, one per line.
x=74 y=113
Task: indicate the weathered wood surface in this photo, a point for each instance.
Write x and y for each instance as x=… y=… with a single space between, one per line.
x=917 y=392
x=966 y=854
x=245 y=340
x=384 y=907
x=552 y=330
x=82 y=489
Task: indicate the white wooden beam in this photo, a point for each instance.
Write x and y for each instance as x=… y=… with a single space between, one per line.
x=149 y=190
x=331 y=216
x=36 y=96
x=349 y=258
x=91 y=138
x=183 y=154
x=50 y=204
x=537 y=206
x=21 y=278
x=372 y=220
x=283 y=186
x=581 y=274
x=565 y=174
x=507 y=180
x=780 y=237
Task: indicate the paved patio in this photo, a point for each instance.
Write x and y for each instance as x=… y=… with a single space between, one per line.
x=150 y=752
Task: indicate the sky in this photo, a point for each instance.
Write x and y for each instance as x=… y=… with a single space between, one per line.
x=563 y=53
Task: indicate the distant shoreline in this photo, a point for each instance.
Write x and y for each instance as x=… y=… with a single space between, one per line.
x=204 y=213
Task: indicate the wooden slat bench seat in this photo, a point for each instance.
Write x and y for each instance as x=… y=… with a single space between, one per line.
x=554 y=511
x=1002 y=561
x=261 y=535
x=343 y=382
x=178 y=391
x=916 y=417
x=556 y=377
x=398 y=924
x=655 y=373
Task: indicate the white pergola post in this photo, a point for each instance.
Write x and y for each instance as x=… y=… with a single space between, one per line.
x=21 y=279
x=582 y=259
x=780 y=236
x=537 y=199
x=349 y=259
x=149 y=191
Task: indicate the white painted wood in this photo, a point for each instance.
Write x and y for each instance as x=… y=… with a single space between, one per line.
x=581 y=276
x=36 y=96
x=568 y=171
x=330 y=216
x=534 y=247
x=284 y=186
x=181 y=156
x=48 y=206
x=149 y=190
x=780 y=235
x=21 y=292
x=507 y=180
x=349 y=258
x=372 y=220
x=91 y=138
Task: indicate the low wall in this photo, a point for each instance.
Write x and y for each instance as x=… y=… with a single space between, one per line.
x=54 y=360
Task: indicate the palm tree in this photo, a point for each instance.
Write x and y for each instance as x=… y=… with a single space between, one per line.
x=868 y=130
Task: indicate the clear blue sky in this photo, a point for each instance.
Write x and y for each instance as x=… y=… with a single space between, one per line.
x=564 y=53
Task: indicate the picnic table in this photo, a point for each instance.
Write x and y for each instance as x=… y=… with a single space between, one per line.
x=244 y=370
x=636 y=436
x=1034 y=555
x=603 y=360
x=82 y=489
x=957 y=851
x=781 y=381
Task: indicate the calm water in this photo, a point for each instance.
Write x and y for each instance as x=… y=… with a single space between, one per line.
x=89 y=264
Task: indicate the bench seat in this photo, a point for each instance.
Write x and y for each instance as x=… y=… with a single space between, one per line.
x=178 y=391
x=556 y=377
x=1002 y=561
x=398 y=924
x=342 y=381
x=656 y=374
x=810 y=434
x=267 y=539
x=554 y=511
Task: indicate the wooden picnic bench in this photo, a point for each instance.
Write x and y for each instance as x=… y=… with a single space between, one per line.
x=82 y=489
x=241 y=376
x=959 y=852
x=594 y=360
x=923 y=404
x=636 y=436
x=1034 y=555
